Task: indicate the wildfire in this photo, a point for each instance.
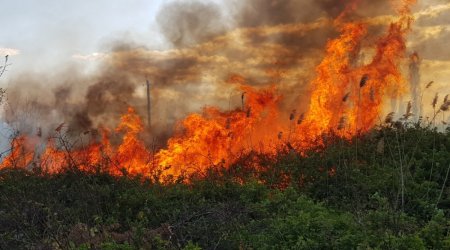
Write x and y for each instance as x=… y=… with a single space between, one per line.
x=346 y=99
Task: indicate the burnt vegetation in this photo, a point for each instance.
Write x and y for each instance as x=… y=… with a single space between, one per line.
x=392 y=192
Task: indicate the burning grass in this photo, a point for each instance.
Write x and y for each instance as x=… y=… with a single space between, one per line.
x=352 y=200
x=256 y=176
x=346 y=100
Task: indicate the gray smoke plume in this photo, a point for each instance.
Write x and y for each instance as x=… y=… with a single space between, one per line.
x=267 y=42
x=190 y=23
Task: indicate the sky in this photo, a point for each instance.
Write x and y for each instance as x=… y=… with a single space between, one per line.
x=42 y=35
x=46 y=33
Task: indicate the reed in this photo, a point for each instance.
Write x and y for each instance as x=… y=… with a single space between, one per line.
x=389 y=118
x=435 y=100
x=346 y=96
x=342 y=122
x=408 y=112
x=292 y=115
x=372 y=94
x=445 y=106
x=364 y=80
x=301 y=118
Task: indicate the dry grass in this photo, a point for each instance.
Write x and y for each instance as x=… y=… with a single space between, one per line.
x=435 y=100
x=445 y=106
x=408 y=111
x=389 y=118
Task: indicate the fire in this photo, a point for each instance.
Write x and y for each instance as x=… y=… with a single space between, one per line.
x=132 y=153
x=346 y=99
x=21 y=155
x=131 y=156
x=214 y=137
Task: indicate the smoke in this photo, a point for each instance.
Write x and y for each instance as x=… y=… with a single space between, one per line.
x=266 y=42
x=189 y=23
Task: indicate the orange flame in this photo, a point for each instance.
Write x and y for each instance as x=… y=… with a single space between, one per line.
x=346 y=99
x=216 y=137
x=20 y=156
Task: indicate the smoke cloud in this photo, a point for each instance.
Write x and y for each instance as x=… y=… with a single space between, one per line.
x=266 y=42
x=189 y=23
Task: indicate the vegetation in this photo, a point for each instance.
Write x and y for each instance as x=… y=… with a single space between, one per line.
x=388 y=189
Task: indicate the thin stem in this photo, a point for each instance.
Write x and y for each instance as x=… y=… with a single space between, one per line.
x=443 y=186
x=402 y=178
x=357 y=123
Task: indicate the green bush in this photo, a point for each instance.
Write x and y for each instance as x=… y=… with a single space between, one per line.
x=339 y=197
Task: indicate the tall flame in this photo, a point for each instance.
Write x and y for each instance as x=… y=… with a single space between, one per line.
x=346 y=99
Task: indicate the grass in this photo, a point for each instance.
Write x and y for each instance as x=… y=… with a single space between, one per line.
x=394 y=198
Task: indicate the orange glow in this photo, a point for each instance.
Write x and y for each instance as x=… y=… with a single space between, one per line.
x=20 y=156
x=219 y=138
x=346 y=99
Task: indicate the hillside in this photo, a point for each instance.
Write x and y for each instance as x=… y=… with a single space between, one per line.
x=388 y=189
